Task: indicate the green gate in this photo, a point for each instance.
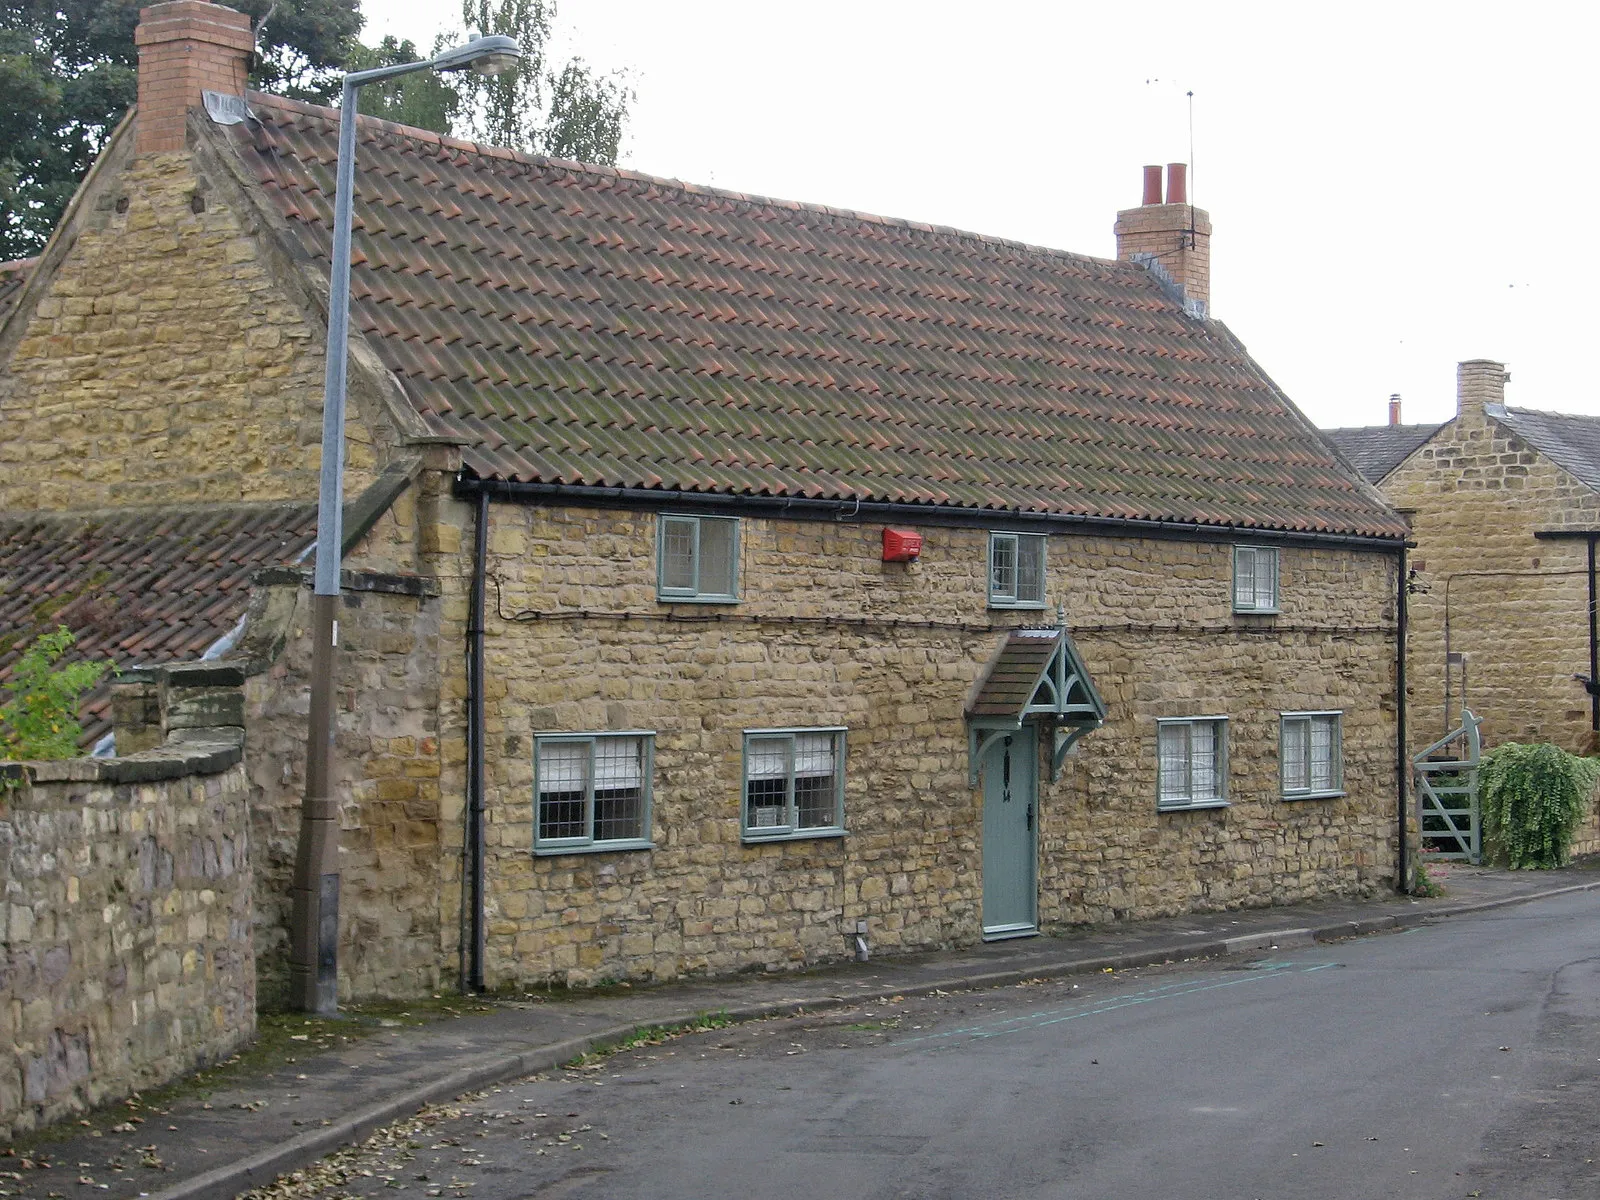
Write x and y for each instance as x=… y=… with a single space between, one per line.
x=1446 y=776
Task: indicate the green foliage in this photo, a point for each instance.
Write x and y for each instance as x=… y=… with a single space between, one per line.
x=68 y=71
x=1423 y=883
x=565 y=112
x=40 y=720
x=1533 y=797
x=424 y=100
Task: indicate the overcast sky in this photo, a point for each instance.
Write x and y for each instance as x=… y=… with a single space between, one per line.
x=1394 y=186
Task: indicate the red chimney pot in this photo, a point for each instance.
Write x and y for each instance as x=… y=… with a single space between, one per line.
x=1152 y=185
x=1394 y=409
x=1177 y=183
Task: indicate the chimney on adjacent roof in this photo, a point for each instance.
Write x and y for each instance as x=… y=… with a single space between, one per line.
x=1394 y=409
x=1170 y=231
x=1480 y=381
x=186 y=47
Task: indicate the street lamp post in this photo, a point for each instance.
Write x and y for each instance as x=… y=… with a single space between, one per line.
x=314 y=925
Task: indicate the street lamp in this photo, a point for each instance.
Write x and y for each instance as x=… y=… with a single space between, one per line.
x=314 y=926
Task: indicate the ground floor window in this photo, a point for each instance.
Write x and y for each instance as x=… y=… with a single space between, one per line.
x=793 y=783
x=1311 y=755
x=592 y=791
x=1192 y=762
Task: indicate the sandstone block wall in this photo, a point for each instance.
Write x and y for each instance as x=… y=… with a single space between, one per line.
x=1516 y=606
x=125 y=926
x=826 y=634
x=164 y=361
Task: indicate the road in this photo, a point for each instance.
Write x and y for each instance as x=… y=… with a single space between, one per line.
x=1455 y=1060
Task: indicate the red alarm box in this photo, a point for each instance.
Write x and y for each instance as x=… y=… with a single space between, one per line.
x=901 y=545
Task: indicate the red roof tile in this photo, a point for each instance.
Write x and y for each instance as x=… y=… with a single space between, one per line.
x=147 y=585
x=591 y=326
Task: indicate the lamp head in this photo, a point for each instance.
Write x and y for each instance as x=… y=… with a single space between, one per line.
x=483 y=56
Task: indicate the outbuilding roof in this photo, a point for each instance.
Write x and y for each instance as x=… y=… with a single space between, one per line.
x=587 y=326
x=1376 y=450
x=1568 y=440
x=146 y=585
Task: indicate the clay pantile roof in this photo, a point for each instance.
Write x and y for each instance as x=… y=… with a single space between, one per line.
x=1569 y=441
x=13 y=275
x=590 y=326
x=1375 y=450
x=145 y=585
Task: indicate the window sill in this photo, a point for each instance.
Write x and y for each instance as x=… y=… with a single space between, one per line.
x=696 y=599
x=1192 y=805
x=591 y=848
x=750 y=838
x=1024 y=605
x=1293 y=796
x=1258 y=612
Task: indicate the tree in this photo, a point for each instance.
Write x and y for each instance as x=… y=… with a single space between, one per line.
x=68 y=71
x=424 y=99
x=40 y=720
x=569 y=112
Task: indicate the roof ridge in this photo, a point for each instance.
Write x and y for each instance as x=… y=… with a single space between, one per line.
x=428 y=137
x=1544 y=412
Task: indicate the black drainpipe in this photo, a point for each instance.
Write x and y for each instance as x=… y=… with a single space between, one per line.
x=1403 y=759
x=472 y=849
x=1594 y=648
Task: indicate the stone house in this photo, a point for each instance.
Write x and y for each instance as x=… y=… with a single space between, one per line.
x=1504 y=506
x=727 y=579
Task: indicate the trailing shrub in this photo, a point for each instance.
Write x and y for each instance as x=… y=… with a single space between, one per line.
x=1533 y=797
x=40 y=718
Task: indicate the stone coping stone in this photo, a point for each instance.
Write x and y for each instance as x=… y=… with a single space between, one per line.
x=188 y=752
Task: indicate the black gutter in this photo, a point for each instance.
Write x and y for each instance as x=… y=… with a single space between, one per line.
x=1402 y=757
x=472 y=843
x=805 y=508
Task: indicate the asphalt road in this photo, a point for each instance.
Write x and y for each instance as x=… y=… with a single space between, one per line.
x=1455 y=1060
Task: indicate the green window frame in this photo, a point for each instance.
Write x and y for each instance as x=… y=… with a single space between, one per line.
x=1191 y=763
x=793 y=784
x=1311 y=755
x=591 y=791
x=1255 y=579
x=697 y=559
x=1016 y=570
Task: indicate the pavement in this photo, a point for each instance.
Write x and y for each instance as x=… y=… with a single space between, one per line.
x=254 y=1121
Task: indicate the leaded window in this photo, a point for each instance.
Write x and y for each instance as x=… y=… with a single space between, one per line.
x=698 y=559
x=1311 y=755
x=1016 y=570
x=1255 y=579
x=592 y=791
x=1192 y=767
x=793 y=783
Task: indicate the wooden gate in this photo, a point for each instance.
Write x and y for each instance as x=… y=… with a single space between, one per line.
x=1446 y=775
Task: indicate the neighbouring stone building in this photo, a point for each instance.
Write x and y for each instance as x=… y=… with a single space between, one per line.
x=726 y=578
x=1504 y=507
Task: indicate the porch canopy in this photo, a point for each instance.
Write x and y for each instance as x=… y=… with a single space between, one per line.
x=1038 y=675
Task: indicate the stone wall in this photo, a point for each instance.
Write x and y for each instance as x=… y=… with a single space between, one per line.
x=826 y=634
x=125 y=923
x=165 y=360
x=1516 y=606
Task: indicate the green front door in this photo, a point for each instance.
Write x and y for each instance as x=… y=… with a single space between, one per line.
x=1010 y=816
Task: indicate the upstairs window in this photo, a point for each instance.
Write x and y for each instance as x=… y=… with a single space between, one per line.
x=697 y=559
x=592 y=791
x=1311 y=755
x=1016 y=570
x=1255 y=579
x=1192 y=766
x=793 y=783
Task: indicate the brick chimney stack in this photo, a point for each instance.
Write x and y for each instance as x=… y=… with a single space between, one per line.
x=1480 y=382
x=186 y=47
x=1394 y=409
x=1172 y=231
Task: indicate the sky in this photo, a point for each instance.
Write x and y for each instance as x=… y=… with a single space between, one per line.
x=1394 y=187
